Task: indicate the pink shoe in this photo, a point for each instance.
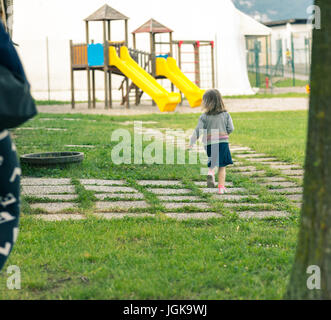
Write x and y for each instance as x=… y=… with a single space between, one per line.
x=221 y=189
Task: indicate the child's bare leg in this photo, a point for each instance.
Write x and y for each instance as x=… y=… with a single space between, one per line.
x=221 y=176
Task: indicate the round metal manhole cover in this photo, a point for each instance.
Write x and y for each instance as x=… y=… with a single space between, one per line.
x=52 y=158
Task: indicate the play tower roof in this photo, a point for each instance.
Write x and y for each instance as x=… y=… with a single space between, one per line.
x=106 y=13
x=152 y=26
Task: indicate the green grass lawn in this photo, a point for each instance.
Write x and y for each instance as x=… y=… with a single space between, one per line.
x=155 y=258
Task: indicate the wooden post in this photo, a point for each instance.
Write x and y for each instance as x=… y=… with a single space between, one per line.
x=139 y=62
x=88 y=69
x=137 y=95
x=180 y=67
x=171 y=55
x=93 y=86
x=109 y=31
x=171 y=44
x=212 y=45
x=93 y=89
x=110 y=70
x=127 y=93
x=127 y=79
x=152 y=42
x=134 y=41
x=126 y=33
x=72 y=76
x=106 y=62
x=197 y=63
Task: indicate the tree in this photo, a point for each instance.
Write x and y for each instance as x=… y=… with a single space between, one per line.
x=314 y=246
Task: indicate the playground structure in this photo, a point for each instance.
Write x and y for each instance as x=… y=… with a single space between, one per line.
x=140 y=69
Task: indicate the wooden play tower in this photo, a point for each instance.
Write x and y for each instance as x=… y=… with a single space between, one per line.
x=153 y=27
x=79 y=55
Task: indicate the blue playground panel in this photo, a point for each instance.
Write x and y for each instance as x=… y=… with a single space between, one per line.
x=95 y=55
x=165 y=56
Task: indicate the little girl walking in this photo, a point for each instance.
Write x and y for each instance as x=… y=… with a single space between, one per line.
x=216 y=125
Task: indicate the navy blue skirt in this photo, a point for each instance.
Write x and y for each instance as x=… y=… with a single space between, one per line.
x=219 y=155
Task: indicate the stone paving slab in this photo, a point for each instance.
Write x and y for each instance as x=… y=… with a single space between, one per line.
x=71 y=119
x=109 y=189
x=54 y=207
x=262 y=160
x=284 y=167
x=158 y=183
x=198 y=216
x=59 y=217
x=293 y=172
x=275 y=163
x=104 y=196
x=249 y=173
x=80 y=146
x=241 y=152
x=204 y=184
x=232 y=197
x=230 y=190
x=47 y=129
x=121 y=204
x=99 y=182
x=63 y=197
x=271 y=179
x=295 y=197
x=179 y=198
x=176 y=205
x=128 y=123
x=287 y=191
x=169 y=191
x=237 y=164
x=44 y=182
x=263 y=214
x=111 y=216
x=242 y=169
x=252 y=155
x=279 y=184
x=245 y=204
x=37 y=190
x=244 y=149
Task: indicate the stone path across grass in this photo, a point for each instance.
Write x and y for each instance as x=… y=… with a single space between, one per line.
x=118 y=199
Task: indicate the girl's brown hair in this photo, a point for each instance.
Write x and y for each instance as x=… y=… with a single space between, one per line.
x=213 y=103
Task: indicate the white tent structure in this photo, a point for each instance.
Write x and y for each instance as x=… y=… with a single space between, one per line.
x=62 y=20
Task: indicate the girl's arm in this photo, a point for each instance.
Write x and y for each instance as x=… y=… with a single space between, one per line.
x=229 y=125
x=196 y=133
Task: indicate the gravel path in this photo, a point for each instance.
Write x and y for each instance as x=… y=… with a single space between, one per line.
x=233 y=105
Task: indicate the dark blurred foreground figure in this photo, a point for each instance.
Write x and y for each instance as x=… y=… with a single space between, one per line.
x=16 y=107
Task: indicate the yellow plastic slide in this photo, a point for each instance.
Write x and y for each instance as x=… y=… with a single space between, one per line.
x=169 y=69
x=166 y=101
